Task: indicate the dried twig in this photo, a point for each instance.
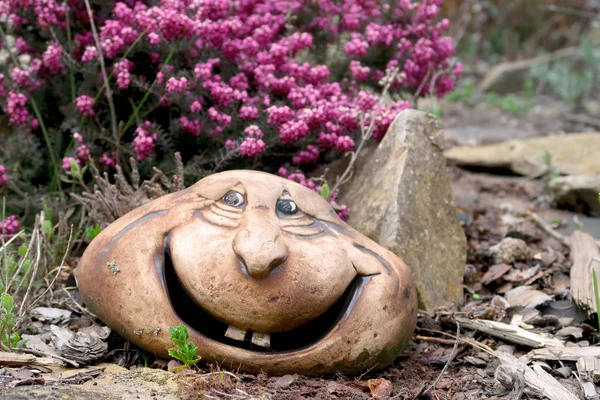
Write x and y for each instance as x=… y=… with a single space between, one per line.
x=79 y=307
x=452 y=355
x=366 y=134
x=44 y=354
x=110 y=201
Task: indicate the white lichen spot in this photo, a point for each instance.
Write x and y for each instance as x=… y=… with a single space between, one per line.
x=138 y=332
x=153 y=331
x=113 y=267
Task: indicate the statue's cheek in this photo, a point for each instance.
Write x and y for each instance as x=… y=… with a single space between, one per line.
x=200 y=251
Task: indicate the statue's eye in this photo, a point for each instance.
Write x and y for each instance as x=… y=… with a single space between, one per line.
x=234 y=199
x=287 y=207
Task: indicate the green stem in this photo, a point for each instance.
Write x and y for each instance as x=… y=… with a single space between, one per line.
x=38 y=115
x=99 y=94
x=147 y=94
x=70 y=46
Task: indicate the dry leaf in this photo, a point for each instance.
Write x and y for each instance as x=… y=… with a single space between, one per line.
x=380 y=387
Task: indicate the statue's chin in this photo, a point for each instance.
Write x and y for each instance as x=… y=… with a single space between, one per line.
x=303 y=336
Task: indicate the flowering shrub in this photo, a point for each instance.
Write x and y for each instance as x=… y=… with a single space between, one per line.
x=228 y=83
x=9 y=227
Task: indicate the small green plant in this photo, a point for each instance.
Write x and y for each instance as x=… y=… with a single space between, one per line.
x=91 y=232
x=325 y=192
x=8 y=320
x=596 y=295
x=464 y=92
x=510 y=103
x=436 y=110
x=185 y=351
x=573 y=82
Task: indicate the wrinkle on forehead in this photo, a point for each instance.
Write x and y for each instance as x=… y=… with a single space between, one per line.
x=264 y=189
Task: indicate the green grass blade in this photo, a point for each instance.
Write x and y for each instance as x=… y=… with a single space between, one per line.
x=596 y=295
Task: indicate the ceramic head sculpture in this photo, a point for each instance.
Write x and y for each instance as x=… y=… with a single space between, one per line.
x=262 y=272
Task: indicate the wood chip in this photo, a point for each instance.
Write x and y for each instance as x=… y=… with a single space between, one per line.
x=586 y=256
x=534 y=377
x=510 y=333
x=495 y=272
x=589 y=368
x=16 y=359
x=563 y=353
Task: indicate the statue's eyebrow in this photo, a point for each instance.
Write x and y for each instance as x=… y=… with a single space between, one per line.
x=285 y=193
x=239 y=187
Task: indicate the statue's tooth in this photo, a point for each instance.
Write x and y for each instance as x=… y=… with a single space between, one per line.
x=261 y=339
x=235 y=333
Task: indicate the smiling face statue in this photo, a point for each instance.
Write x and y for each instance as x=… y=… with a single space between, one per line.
x=260 y=269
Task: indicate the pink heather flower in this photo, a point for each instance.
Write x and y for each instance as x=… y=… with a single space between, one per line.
x=204 y=70
x=90 y=54
x=3 y=176
x=108 y=161
x=365 y=101
x=49 y=12
x=279 y=115
x=230 y=144
x=124 y=13
x=193 y=127
x=359 y=72
x=154 y=38
x=35 y=124
x=15 y=108
x=344 y=144
x=83 y=153
x=66 y=163
x=2 y=85
x=175 y=85
x=123 y=69
x=253 y=131
x=248 y=113
x=221 y=93
x=220 y=118
x=196 y=107
x=252 y=147
x=78 y=137
x=20 y=78
x=308 y=156
x=22 y=46
x=143 y=144
x=291 y=132
x=327 y=140
x=356 y=47
x=84 y=105
x=342 y=212
x=10 y=227
x=51 y=59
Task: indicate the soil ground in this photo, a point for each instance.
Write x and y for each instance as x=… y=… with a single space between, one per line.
x=435 y=365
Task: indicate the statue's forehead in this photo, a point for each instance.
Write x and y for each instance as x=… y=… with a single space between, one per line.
x=257 y=186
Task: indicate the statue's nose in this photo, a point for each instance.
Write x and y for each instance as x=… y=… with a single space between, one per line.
x=259 y=244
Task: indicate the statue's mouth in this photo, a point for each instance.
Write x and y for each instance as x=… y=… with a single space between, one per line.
x=301 y=337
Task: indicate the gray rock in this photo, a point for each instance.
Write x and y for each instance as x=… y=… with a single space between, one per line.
x=510 y=250
x=579 y=192
x=572 y=154
x=510 y=77
x=137 y=383
x=400 y=196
